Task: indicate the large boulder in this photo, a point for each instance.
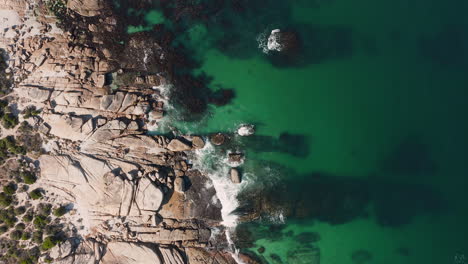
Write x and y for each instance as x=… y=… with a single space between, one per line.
x=177 y=145
x=87 y=8
x=130 y=253
x=149 y=197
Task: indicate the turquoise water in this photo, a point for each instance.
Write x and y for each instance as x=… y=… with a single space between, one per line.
x=376 y=104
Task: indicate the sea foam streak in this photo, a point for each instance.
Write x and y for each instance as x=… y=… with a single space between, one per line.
x=216 y=167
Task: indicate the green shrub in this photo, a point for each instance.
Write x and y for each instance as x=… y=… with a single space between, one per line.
x=28 y=177
x=30 y=111
x=35 y=194
x=8 y=217
x=20 y=226
x=16 y=234
x=5 y=200
x=44 y=209
x=20 y=210
x=49 y=242
x=9 y=120
x=26 y=236
x=37 y=237
x=27 y=261
x=40 y=221
x=3 y=229
x=60 y=211
x=28 y=217
x=10 y=188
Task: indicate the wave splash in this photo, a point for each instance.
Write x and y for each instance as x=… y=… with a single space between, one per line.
x=216 y=166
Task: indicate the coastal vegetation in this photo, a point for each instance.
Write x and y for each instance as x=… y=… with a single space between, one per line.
x=57 y=8
x=5 y=78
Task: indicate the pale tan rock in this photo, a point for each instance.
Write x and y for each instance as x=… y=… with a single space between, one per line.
x=177 y=145
x=149 y=197
x=87 y=8
x=198 y=142
x=235 y=175
x=130 y=253
x=179 y=185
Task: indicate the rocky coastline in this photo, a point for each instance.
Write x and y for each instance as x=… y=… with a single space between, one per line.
x=85 y=93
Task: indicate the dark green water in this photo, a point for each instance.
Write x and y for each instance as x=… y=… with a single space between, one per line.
x=378 y=99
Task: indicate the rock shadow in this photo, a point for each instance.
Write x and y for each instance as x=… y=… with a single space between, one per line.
x=410 y=157
x=335 y=199
x=317 y=44
x=447 y=48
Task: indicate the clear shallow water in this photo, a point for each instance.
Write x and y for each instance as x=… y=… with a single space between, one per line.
x=381 y=102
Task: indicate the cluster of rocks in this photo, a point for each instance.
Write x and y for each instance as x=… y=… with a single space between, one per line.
x=140 y=199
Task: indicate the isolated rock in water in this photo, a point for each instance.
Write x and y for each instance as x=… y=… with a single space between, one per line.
x=236 y=159
x=217 y=139
x=179 y=185
x=177 y=145
x=246 y=130
x=198 y=142
x=235 y=175
x=273 y=40
x=130 y=253
x=282 y=41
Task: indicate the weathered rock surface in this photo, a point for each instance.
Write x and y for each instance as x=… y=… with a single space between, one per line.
x=138 y=197
x=87 y=7
x=177 y=145
x=130 y=253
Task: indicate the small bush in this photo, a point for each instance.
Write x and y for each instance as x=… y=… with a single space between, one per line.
x=60 y=211
x=49 y=242
x=26 y=236
x=20 y=226
x=28 y=177
x=28 y=217
x=20 y=210
x=16 y=234
x=35 y=194
x=9 y=120
x=40 y=221
x=8 y=217
x=5 y=200
x=44 y=209
x=10 y=188
x=30 y=111
x=27 y=261
x=3 y=229
x=37 y=237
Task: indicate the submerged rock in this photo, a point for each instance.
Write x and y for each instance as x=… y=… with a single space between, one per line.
x=304 y=255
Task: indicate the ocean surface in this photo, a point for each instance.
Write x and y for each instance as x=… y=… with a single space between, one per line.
x=361 y=138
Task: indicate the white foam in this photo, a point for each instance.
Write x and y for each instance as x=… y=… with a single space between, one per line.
x=216 y=167
x=273 y=41
x=246 y=130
